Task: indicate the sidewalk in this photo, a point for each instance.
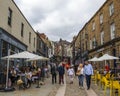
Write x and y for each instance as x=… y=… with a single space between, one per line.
x=89 y=92
x=62 y=89
x=73 y=89
x=56 y=90
x=44 y=90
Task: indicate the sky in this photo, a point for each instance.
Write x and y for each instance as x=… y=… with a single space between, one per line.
x=59 y=18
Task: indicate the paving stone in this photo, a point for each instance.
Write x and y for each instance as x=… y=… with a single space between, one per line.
x=73 y=89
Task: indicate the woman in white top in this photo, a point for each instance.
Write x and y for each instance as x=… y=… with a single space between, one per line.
x=71 y=74
x=80 y=75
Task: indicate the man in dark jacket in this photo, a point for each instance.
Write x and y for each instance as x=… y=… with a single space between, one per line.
x=54 y=73
x=61 y=71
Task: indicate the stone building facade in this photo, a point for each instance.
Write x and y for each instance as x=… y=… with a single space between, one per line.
x=101 y=34
x=16 y=33
x=13 y=22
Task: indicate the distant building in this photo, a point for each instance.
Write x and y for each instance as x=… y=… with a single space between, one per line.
x=61 y=49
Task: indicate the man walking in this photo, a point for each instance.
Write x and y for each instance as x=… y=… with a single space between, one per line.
x=54 y=73
x=88 y=70
x=61 y=71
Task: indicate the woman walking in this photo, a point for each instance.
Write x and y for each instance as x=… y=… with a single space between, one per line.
x=80 y=75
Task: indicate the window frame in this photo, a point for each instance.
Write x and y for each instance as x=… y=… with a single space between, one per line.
x=112 y=30
x=29 y=37
x=111 y=9
x=22 y=30
x=101 y=18
x=102 y=37
x=93 y=25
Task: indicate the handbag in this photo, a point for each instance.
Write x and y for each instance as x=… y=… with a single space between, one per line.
x=19 y=81
x=78 y=72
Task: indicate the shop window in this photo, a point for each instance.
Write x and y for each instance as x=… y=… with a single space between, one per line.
x=4 y=48
x=12 y=51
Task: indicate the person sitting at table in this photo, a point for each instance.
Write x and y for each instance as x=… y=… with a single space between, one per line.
x=28 y=74
x=107 y=68
x=13 y=76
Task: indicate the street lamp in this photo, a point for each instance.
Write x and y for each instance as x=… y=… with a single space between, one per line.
x=7 y=79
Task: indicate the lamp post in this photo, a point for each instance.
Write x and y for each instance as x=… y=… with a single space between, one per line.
x=7 y=70
x=7 y=79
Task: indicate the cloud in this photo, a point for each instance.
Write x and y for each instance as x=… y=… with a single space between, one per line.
x=59 y=18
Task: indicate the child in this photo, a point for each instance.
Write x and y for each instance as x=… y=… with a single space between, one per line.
x=71 y=74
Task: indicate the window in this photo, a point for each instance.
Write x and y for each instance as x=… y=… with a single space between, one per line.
x=4 y=48
x=83 y=47
x=101 y=18
x=94 y=43
x=86 y=45
x=34 y=42
x=9 y=16
x=29 y=37
x=111 y=9
x=102 y=37
x=112 y=30
x=90 y=44
x=93 y=26
x=22 y=29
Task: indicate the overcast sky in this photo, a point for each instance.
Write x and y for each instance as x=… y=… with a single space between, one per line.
x=58 y=18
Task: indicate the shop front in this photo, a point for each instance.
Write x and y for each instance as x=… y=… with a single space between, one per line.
x=7 y=42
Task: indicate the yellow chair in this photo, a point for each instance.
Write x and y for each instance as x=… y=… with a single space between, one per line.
x=115 y=85
x=93 y=77
x=107 y=76
x=106 y=84
x=99 y=79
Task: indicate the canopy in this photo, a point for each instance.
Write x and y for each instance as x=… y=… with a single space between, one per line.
x=107 y=57
x=38 y=58
x=94 y=59
x=24 y=54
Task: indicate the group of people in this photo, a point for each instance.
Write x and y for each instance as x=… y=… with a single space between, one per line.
x=57 y=69
x=33 y=72
x=27 y=74
x=83 y=70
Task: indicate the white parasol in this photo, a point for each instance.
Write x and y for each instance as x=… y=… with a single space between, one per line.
x=94 y=59
x=107 y=57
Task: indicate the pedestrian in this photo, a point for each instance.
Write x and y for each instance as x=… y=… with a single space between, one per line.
x=61 y=71
x=54 y=73
x=88 y=70
x=80 y=75
x=42 y=73
x=71 y=74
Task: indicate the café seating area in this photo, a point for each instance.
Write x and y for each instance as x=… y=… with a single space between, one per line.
x=109 y=82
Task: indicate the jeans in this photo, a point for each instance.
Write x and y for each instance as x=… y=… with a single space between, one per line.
x=61 y=79
x=81 y=78
x=88 y=80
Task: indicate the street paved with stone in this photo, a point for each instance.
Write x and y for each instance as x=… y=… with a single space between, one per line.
x=50 y=89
